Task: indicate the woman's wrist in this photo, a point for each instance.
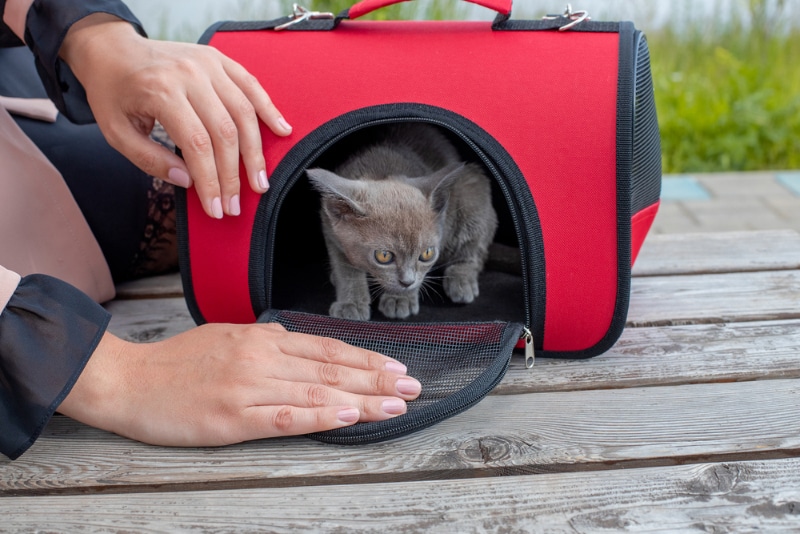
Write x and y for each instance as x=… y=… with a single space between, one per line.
x=47 y=24
x=90 y=35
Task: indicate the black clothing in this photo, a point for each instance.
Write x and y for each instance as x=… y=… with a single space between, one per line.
x=49 y=329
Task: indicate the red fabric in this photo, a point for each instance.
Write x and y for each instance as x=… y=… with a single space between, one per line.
x=640 y=225
x=548 y=97
x=367 y=6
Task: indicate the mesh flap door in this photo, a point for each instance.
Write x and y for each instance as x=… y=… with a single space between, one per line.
x=457 y=363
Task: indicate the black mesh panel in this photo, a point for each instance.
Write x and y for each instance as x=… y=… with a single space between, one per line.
x=646 y=138
x=457 y=363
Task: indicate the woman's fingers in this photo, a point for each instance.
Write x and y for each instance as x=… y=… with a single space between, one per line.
x=208 y=104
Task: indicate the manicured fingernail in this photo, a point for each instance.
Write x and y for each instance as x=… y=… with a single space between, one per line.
x=262 y=180
x=216 y=208
x=396 y=367
x=394 y=406
x=285 y=125
x=179 y=177
x=348 y=415
x=408 y=386
x=233 y=206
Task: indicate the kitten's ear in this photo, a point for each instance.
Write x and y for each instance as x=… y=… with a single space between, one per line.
x=437 y=186
x=337 y=193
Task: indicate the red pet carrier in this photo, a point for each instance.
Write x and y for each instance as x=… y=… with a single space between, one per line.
x=560 y=112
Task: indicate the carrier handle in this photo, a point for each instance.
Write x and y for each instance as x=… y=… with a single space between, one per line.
x=503 y=7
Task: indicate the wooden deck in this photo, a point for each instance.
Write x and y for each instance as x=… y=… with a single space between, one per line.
x=691 y=422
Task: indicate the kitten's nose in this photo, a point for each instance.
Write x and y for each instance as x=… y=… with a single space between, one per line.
x=406 y=278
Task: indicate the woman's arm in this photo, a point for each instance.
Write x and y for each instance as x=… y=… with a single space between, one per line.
x=208 y=104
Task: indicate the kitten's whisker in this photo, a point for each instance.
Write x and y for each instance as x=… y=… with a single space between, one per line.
x=428 y=288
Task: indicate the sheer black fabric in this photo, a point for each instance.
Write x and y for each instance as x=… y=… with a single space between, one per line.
x=46 y=26
x=48 y=331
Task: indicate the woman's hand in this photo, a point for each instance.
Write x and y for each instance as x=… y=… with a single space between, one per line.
x=207 y=103
x=219 y=384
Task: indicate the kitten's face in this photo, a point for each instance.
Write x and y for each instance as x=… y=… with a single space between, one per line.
x=396 y=240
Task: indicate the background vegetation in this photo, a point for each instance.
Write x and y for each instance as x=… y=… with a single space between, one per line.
x=728 y=90
x=726 y=72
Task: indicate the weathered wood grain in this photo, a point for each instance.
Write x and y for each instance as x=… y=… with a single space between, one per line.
x=503 y=434
x=714 y=298
x=144 y=320
x=670 y=356
x=721 y=252
x=761 y=496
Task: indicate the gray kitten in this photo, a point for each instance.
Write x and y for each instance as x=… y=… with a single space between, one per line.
x=395 y=209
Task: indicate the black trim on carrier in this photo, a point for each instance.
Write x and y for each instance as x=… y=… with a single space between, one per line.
x=184 y=265
x=499 y=24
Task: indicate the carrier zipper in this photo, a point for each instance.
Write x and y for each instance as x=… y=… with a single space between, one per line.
x=519 y=227
x=530 y=353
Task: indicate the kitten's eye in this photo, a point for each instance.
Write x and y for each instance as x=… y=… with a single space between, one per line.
x=427 y=255
x=384 y=257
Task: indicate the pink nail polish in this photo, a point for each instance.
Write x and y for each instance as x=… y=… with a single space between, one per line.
x=393 y=406
x=348 y=415
x=408 y=386
x=396 y=367
x=262 y=180
x=233 y=206
x=179 y=177
x=285 y=125
x=216 y=208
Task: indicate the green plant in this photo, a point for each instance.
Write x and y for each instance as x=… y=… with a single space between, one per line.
x=728 y=91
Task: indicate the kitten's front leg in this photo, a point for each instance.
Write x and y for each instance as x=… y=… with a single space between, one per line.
x=402 y=306
x=461 y=282
x=352 y=291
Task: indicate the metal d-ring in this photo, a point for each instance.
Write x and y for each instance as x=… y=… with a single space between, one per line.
x=299 y=14
x=575 y=18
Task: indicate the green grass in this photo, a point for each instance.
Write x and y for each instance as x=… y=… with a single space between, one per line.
x=728 y=95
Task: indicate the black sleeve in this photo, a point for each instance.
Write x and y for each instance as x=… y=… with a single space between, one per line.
x=48 y=331
x=46 y=26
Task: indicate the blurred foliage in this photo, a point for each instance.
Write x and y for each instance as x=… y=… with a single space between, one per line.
x=728 y=91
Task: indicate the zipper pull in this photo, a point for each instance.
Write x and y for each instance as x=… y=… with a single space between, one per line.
x=529 y=351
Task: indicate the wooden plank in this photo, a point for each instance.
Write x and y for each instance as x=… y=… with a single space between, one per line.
x=144 y=320
x=718 y=252
x=714 y=298
x=759 y=496
x=503 y=434
x=670 y=356
x=163 y=286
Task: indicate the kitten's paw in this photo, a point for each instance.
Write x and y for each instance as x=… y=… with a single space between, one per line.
x=461 y=284
x=350 y=310
x=399 y=306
